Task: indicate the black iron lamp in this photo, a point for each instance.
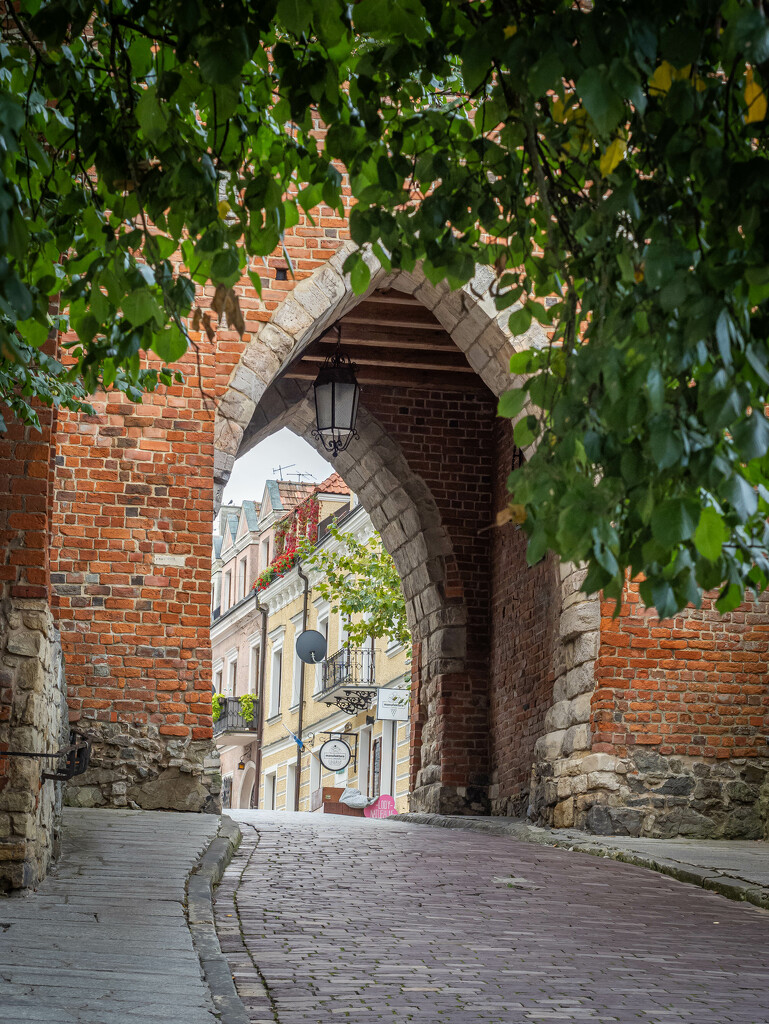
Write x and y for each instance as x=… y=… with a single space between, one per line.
x=336 y=400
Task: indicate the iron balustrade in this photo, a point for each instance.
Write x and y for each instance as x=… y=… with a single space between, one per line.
x=350 y=667
x=231 y=720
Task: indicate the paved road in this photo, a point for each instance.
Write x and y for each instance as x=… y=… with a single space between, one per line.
x=104 y=940
x=327 y=919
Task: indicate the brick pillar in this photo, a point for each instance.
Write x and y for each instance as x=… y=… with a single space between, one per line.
x=133 y=513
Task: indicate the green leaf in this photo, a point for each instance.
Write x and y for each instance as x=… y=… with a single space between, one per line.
x=602 y=102
x=741 y=495
x=519 y=322
x=526 y=431
x=360 y=277
x=511 y=402
x=752 y=436
x=141 y=306
x=711 y=534
x=665 y=446
x=674 y=521
x=169 y=344
x=295 y=15
x=150 y=115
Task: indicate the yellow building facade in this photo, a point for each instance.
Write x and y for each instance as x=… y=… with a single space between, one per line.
x=261 y=759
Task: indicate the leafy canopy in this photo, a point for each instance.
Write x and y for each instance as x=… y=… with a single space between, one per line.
x=610 y=156
x=360 y=580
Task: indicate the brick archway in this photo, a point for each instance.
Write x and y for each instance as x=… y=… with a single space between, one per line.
x=452 y=769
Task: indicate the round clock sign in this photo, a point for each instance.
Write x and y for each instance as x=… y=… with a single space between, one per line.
x=334 y=755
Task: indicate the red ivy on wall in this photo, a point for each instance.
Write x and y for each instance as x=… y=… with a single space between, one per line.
x=303 y=522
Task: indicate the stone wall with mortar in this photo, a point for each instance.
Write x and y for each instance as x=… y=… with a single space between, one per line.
x=32 y=707
x=680 y=717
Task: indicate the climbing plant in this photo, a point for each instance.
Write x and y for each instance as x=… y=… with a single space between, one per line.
x=610 y=158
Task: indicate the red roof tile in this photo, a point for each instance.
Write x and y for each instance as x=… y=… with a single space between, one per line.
x=333 y=485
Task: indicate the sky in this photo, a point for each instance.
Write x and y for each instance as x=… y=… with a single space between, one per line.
x=261 y=463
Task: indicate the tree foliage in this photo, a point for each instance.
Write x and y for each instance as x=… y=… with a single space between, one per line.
x=360 y=580
x=609 y=156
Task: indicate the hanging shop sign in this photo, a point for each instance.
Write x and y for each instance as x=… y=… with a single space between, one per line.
x=392 y=705
x=335 y=755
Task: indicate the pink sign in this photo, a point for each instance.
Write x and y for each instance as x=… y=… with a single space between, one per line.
x=384 y=807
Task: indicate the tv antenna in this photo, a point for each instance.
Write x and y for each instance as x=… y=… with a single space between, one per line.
x=279 y=469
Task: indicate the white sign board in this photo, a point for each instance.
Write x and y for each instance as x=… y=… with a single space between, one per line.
x=334 y=755
x=392 y=705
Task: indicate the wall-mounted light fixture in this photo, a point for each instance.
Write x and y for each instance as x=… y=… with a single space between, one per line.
x=336 y=400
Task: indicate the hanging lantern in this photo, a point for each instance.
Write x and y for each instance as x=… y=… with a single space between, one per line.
x=336 y=401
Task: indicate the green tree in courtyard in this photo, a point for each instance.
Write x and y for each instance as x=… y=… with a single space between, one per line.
x=609 y=156
x=360 y=580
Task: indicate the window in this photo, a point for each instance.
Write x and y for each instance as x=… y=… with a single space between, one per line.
x=277 y=671
x=242 y=575
x=232 y=676
x=314 y=773
x=270 y=787
x=291 y=788
x=364 y=758
x=296 y=686
x=389 y=757
x=376 y=768
x=218 y=681
x=265 y=554
x=226 y=587
x=253 y=670
x=216 y=592
x=322 y=627
x=296 y=678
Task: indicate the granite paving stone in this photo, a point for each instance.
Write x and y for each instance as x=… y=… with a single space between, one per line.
x=104 y=940
x=329 y=918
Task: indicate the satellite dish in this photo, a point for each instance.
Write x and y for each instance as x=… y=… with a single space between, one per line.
x=311 y=647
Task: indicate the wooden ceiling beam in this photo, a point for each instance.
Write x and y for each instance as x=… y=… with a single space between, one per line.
x=370 y=316
x=414 y=360
x=385 y=337
x=369 y=376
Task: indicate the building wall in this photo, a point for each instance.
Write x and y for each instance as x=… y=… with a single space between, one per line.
x=285 y=600
x=680 y=716
x=32 y=682
x=526 y=655
x=130 y=557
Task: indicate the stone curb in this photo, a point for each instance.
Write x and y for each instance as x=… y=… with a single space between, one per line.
x=569 y=839
x=206 y=874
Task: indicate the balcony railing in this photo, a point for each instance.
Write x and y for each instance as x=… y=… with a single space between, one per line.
x=231 y=720
x=348 y=679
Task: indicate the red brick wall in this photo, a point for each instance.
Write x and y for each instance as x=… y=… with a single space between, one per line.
x=25 y=472
x=525 y=605
x=133 y=490
x=25 y=460
x=447 y=438
x=696 y=685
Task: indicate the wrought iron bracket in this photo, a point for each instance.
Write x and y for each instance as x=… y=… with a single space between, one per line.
x=74 y=758
x=351 y=739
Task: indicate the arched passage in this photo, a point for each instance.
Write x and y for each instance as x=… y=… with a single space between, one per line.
x=425 y=465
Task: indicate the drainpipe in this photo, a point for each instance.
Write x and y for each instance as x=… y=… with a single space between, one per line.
x=301 y=690
x=260 y=702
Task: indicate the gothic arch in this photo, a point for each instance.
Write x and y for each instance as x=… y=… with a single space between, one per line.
x=259 y=401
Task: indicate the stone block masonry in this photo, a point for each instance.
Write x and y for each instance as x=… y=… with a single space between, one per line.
x=32 y=709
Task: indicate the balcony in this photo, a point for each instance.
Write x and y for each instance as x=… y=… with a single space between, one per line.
x=349 y=680
x=232 y=724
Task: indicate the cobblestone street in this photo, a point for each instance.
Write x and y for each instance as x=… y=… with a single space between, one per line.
x=331 y=918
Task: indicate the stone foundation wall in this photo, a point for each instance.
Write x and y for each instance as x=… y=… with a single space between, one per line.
x=559 y=779
x=34 y=718
x=135 y=766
